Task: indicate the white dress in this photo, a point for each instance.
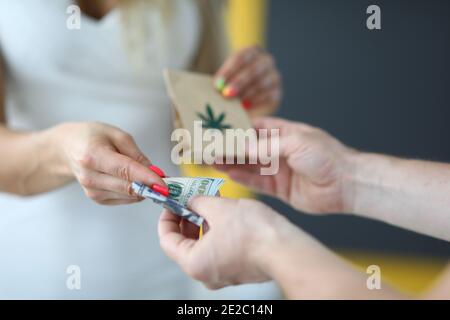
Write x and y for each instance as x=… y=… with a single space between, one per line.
x=56 y=75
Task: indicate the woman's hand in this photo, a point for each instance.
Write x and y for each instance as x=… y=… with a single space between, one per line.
x=251 y=75
x=315 y=169
x=105 y=160
x=236 y=247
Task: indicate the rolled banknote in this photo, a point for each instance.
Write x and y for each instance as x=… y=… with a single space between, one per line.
x=173 y=206
x=183 y=189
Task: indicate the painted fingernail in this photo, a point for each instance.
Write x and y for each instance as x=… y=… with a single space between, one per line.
x=220 y=84
x=247 y=104
x=230 y=92
x=158 y=171
x=160 y=189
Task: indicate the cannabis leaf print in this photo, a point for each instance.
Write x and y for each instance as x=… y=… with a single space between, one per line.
x=210 y=121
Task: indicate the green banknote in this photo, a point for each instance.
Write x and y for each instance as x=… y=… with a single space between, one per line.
x=183 y=189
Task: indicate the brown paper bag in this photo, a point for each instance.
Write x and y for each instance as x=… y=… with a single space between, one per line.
x=195 y=98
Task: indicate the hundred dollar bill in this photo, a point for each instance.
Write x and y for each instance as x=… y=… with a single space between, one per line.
x=183 y=189
x=173 y=206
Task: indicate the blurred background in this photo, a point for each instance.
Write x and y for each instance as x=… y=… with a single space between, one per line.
x=384 y=91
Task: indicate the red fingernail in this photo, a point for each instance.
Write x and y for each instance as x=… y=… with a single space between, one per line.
x=230 y=92
x=160 y=189
x=158 y=171
x=247 y=104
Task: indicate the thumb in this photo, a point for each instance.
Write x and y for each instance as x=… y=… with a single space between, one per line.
x=212 y=208
x=172 y=241
x=270 y=123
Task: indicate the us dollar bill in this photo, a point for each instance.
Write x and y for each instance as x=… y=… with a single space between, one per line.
x=173 y=206
x=183 y=189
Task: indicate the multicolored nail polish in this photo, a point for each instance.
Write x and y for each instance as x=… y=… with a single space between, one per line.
x=230 y=92
x=220 y=84
x=157 y=170
x=247 y=104
x=160 y=189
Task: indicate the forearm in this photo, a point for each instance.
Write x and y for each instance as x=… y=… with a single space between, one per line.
x=407 y=193
x=30 y=162
x=305 y=269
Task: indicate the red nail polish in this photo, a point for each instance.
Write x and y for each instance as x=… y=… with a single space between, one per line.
x=158 y=171
x=247 y=104
x=230 y=92
x=160 y=189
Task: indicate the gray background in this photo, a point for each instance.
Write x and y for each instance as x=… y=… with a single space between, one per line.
x=384 y=91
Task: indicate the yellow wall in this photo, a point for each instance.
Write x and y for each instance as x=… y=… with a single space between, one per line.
x=247 y=22
x=411 y=275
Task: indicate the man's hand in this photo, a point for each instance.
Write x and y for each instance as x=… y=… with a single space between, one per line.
x=248 y=242
x=235 y=249
x=313 y=173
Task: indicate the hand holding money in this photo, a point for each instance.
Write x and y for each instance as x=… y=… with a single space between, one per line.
x=102 y=158
x=181 y=190
x=242 y=238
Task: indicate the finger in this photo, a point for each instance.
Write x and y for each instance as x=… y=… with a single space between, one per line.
x=212 y=208
x=267 y=82
x=236 y=61
x=268 y=123
x=215 y=286
x=179 y=225
x=124 y=168
x=267 y=98
x=168 y=223
x=172 y=241
x=269 y=142
x=252 y=168
x=250 y=74
x=285 y=126
x=120 y=202
x=249 y=176
x=286 y=147
x=242 y=173
x=126 y=145
x=96 y=180
x=260 y=183
x=104 y=196
x=189 y=229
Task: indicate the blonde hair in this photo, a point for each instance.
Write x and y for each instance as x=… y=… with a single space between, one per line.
x=213 y=44
x=135 y=26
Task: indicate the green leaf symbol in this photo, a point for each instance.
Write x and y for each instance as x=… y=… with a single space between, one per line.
x=210 y=121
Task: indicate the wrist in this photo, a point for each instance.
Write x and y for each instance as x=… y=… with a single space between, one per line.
x=35 y=165
x=273 y=246
x=362 y=180
x=300 y=265
x=304 y=269
x=349 y=181
x=356 y=163
x=52 y=151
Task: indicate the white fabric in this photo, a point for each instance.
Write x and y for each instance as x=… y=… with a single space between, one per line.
x=57 y=75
